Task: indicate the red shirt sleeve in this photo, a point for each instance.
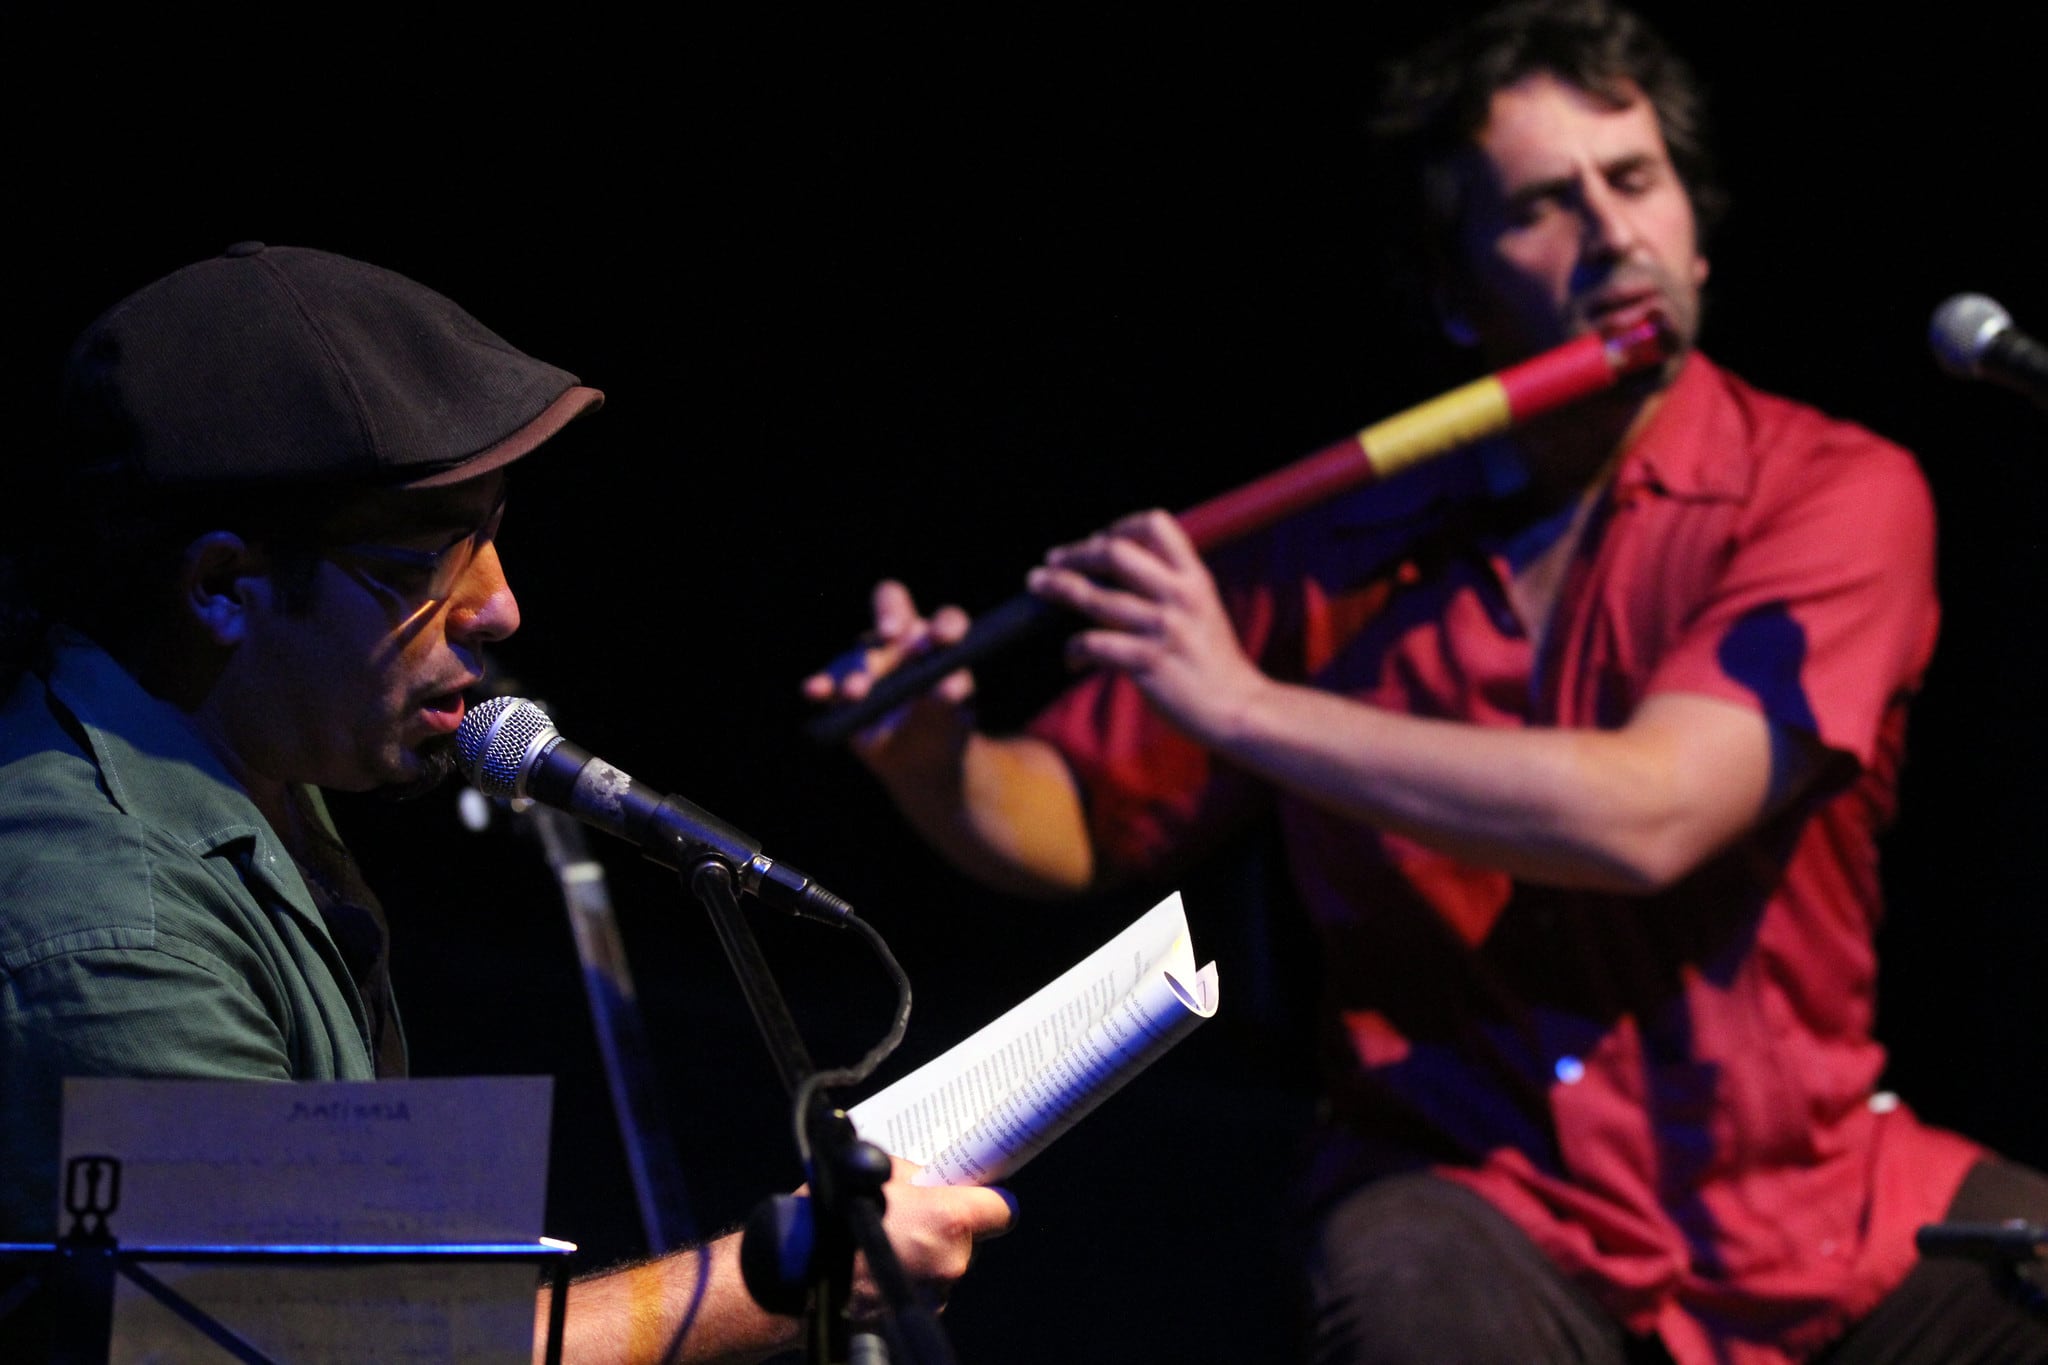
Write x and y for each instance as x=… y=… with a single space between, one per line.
x=1824 y=614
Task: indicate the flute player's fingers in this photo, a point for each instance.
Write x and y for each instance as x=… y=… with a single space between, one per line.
x=899 y=633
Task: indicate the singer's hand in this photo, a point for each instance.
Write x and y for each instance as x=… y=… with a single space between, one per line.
x=1157 y=618
x=934 y=1229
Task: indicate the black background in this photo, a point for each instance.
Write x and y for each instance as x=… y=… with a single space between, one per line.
x=912 y=295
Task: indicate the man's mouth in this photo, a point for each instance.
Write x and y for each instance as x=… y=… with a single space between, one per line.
x=443 y=713
x=1616 y=312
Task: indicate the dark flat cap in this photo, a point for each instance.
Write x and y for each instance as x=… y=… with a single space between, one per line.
x=286 y=365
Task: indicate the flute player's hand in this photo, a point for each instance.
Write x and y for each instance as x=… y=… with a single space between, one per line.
x=1005 y=810
x=927 y=728
x=1155 y=615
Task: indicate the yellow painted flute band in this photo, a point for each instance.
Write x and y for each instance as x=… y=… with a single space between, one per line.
x=1464 y=414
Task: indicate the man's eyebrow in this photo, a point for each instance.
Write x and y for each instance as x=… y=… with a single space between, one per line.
x=1549 y=187
x=1630 y=161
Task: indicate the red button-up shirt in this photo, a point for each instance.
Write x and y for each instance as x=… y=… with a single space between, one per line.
x=1673 y=1095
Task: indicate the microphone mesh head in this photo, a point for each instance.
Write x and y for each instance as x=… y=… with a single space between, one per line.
x=494 y=739
x=1962 y=327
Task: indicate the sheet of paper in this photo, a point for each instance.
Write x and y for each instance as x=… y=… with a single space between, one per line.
x=1158 y=1012
x=236 y=1163
x=988 y=1105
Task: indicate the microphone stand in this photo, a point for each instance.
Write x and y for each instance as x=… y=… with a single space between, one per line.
x=644 y=1127
x=845 y=1173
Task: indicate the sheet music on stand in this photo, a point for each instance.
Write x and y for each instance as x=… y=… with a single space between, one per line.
x=411 y=1163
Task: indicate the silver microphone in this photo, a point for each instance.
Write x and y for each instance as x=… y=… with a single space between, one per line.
x=1974 y=337
x=511 y=749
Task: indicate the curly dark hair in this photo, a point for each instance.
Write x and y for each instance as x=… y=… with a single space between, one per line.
x=1435 y=101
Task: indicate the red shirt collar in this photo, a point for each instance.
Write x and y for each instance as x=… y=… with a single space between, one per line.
x=1696 y=445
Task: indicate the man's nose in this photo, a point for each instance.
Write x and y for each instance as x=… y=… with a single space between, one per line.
x=483 y=607
x=1607 y=225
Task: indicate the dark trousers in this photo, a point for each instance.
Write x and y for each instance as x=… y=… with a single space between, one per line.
x=1416 y=1269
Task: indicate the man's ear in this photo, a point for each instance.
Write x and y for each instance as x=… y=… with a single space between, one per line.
x=217 y=576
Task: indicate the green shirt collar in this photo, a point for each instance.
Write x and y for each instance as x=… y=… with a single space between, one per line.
x=158 y=769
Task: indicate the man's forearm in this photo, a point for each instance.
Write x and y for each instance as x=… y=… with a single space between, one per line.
x=634 y=1315
x=1004 y=811
x=1625 y=810
x=638 y=1314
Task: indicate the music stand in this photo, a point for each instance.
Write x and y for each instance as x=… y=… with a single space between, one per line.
x=80 y=1267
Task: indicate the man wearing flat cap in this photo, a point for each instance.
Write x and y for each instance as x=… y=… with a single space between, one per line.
x=268 y=567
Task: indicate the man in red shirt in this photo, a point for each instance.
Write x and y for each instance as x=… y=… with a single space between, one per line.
x=1581 y=747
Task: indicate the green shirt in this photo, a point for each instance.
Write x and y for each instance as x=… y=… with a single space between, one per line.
x=151 y=922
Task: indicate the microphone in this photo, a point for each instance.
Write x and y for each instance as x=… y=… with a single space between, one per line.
x=1973 y=337
x=511 y=749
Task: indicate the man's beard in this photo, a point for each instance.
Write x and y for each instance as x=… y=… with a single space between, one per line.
x=438 y=762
